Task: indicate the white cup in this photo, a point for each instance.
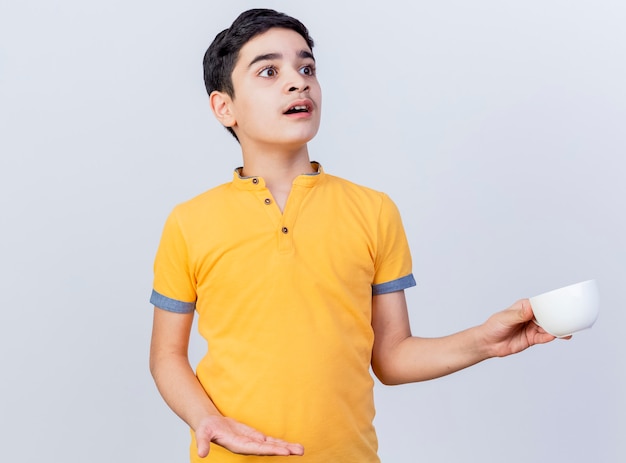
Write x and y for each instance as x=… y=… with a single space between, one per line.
x=564 y=311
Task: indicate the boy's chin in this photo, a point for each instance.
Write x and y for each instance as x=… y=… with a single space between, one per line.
x=298 y=138
x=285 y=139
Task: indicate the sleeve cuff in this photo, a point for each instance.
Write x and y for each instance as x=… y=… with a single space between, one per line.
x=171 y=305
x=394 y=285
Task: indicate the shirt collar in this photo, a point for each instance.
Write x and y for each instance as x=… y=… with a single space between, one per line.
x=253 y=183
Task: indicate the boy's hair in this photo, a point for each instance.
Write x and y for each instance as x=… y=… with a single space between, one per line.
x=221 y=56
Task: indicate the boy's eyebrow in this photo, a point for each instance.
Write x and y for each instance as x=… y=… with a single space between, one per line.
x=306 y=54
x=273 y=56
x=265 y=57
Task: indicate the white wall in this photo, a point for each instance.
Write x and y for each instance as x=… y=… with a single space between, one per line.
x=497 y=127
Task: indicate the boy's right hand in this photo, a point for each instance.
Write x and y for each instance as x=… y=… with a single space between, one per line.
x=239 y=438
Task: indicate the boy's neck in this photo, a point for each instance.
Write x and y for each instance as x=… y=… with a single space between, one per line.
x=277 y=168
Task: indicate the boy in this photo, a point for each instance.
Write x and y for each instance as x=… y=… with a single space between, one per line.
x=297 y=277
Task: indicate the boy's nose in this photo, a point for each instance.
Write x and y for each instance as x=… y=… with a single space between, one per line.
x=296 y=82
x=296 y=89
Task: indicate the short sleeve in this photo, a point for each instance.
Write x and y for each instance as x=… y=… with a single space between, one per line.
x=393 y=263
x=174 y=286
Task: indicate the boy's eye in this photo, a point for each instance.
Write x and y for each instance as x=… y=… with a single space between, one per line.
x=307 y=70
x=269 y=71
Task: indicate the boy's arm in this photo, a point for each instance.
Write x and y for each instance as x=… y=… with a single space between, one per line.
x=182 y=391
x=398 y=357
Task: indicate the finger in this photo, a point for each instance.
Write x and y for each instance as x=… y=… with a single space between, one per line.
x=246 y=444
x=259 y=448
x=275 y=446
x=287 y=447
x=275 y=440
x=294 y=449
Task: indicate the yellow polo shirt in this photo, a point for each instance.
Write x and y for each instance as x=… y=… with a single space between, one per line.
x=284 y=302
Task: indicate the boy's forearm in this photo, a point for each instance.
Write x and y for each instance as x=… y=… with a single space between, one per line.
x=417 y=359
x=404 y=358
x=181 y=389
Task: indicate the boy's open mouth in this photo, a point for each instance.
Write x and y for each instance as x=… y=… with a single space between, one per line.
x=297 y=109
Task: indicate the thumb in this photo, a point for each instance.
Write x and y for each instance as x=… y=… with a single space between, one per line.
x=526 y=311
x=203 y=444
x=519 y=313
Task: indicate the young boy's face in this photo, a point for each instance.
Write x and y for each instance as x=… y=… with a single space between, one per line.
x=277 y=96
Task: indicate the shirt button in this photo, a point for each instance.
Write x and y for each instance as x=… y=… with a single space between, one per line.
x=268 y=201
x=255 y=181
x=285 y=230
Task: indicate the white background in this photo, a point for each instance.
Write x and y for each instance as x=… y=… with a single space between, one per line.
x=498 y=127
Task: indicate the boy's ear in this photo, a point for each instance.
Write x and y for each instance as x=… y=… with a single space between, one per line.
x=221 y=106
